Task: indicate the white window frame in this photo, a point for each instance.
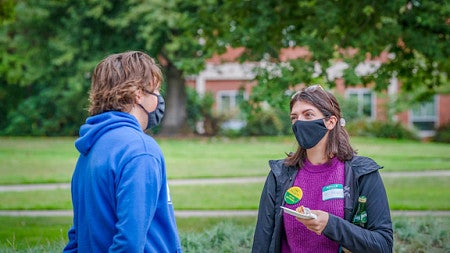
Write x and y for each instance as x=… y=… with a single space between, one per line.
x=360 y=97
x=232 y=94
x=426 y=118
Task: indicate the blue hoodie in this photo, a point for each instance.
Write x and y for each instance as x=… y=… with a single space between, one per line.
x=121 y=200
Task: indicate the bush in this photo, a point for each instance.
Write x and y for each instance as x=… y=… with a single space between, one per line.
x=443 y=134
x=411 y=234
x=357 y=127
x=348 y=105
x=200 y=109
x=224 y=237
x=421 y=235
x=393 y=130
x=380 y=129
x=266 y=122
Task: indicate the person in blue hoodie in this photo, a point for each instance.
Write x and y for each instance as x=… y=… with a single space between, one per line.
x=120 y=196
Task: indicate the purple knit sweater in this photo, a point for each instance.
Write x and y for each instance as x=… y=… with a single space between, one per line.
x=322 y=190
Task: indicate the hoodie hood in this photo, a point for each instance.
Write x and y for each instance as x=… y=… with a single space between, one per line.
x=97 y=125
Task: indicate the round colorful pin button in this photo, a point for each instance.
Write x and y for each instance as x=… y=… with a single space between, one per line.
x=293 y=195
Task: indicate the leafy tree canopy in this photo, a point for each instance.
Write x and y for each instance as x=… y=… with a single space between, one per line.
x=414 y=33
x=49 y=49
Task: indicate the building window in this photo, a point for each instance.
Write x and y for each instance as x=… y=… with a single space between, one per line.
x=364 y=100
x=424 y=117
x=228 y=101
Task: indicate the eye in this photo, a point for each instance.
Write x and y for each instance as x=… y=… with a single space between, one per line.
x=293 y=118
x=309 y=115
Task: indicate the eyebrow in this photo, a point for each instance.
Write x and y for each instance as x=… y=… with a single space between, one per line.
x=305 y=112
x=302 y=112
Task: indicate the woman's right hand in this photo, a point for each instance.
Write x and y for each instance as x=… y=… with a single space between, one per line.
x=316 y=225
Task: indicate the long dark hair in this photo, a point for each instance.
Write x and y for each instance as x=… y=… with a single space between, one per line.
x=338 y=143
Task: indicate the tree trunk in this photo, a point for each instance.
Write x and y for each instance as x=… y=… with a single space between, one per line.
x=175 y=116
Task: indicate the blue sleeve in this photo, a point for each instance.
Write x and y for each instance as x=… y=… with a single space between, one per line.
x=137 y=191
x=378 y=234
x=72 y=244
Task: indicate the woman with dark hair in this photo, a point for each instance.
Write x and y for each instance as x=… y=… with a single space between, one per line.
x=326 y=176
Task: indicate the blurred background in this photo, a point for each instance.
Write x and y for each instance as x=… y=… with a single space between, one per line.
x=231 y=66
x=230 y=69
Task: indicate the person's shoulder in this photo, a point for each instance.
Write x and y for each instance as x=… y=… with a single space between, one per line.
x=127 y=134
x=357 y=159
x=363 y=164
x=277 y=161
x=278 y=166
x=134 y=139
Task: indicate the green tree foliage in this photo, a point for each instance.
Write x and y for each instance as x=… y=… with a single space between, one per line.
x=48 y=52
x=416 y=34
x=6 y=10
x=48 y=49
x=39 y=72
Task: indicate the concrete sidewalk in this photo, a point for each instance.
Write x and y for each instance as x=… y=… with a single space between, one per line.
x=209 y=181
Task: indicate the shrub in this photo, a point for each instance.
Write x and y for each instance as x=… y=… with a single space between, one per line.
x=224 y=237
x=411 y=234
x=200 y=109
x=266 y=122
x=348 y=105
x=393 y=130
x=443 y=134
x=425 y=234
x=421 y=235
x=357 y=127
x=380 y=129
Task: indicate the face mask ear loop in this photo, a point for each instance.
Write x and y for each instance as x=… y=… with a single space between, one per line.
x=143 y=108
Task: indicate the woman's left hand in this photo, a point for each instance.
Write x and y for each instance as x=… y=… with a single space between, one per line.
x=316 y=225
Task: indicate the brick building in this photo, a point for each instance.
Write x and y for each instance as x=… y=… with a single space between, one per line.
x=224 y=78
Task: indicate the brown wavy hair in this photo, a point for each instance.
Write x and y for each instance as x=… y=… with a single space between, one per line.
x=338 y=143
x=117 y=78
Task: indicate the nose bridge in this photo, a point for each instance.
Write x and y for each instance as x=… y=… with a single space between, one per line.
x=300 y=117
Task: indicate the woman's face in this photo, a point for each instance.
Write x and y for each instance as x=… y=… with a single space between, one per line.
x=304 y=111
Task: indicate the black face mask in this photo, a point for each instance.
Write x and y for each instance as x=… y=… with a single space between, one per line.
x=155 y=117
x=309 y=133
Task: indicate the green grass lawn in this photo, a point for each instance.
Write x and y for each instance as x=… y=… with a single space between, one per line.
x=427 y=193
x=46 y=160
x=36 y=160
x=404 y=155
x=22 y=233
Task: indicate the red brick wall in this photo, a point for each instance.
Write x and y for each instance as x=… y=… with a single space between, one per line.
x=220 y=85
x=340 y=86
x=381 y=107
x=214 y=86
x=403 y=117
x=190 y=83
x=444 y=109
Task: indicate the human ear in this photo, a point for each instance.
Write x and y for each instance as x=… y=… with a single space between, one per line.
x=331 y=122
x=139 y=96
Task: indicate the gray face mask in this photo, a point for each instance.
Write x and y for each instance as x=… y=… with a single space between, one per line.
x=155 y=117
x=309 y=133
